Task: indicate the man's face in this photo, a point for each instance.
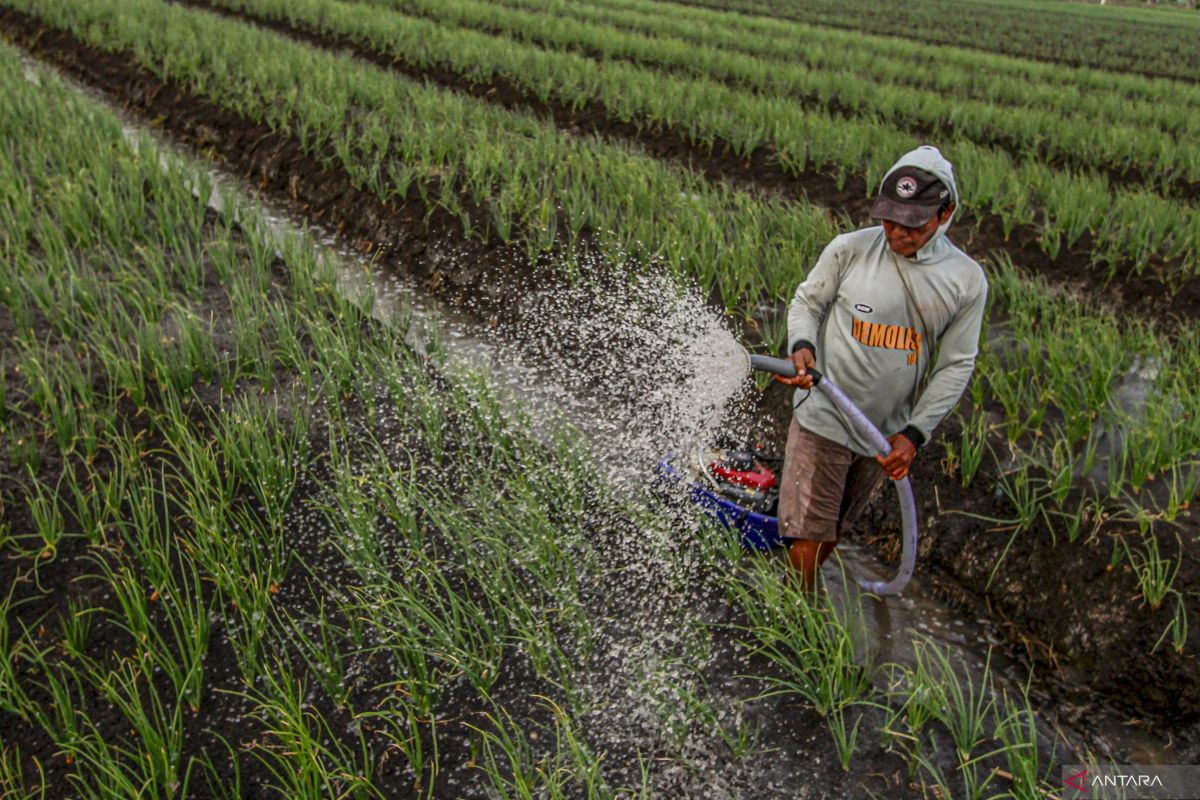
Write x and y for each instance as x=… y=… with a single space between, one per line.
x=905 y=241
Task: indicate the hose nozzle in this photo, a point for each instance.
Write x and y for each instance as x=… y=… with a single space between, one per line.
x=782 y=366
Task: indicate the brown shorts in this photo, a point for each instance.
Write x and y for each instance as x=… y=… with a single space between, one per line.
x=824 y=488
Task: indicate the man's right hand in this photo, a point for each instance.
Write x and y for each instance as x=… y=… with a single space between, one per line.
x=804 y=358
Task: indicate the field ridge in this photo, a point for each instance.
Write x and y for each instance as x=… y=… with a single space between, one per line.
x=273 y=160
x=759 y=10
x=1127 y=177
x=1146 y=293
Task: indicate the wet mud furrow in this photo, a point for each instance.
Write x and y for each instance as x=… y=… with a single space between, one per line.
x=409 y=237
x=1150 y=293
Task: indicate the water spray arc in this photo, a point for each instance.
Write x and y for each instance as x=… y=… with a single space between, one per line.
x=908 y=506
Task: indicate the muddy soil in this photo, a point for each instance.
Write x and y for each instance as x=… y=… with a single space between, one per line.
x=44 y=590
x=782 y=13
x=1080 y=624
x=1127 y=177
x=426 y=244
x=1159 y=292
x=1094 y=631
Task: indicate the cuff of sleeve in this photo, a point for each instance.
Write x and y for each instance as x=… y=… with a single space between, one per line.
x=914 y=436
x=805 y=343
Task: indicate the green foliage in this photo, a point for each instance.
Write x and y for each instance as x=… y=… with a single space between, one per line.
x=1108 y=40
x=187 y=521
x=749 y=102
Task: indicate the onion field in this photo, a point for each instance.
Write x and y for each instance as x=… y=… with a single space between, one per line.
x=262 y=539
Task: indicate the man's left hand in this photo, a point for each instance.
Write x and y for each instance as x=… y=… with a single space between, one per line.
x=897 y=462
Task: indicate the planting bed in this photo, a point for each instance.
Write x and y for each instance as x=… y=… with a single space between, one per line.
x=1068 y=33
x=762 y=58
x=554 y=673
x=292 y=577
x=1109 y=227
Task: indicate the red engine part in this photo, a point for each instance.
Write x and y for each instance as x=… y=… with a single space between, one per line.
x=756 y=477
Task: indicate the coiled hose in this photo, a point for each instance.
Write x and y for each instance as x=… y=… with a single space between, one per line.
x=908 y=506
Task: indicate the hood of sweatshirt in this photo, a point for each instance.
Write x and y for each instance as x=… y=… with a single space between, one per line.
x=929 y=158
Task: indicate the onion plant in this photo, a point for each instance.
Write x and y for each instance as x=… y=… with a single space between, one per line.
x=1100 y=94
x=1017 y=730
x=13 y=776
x=13 y=697
x=153 y=760
x=814 y=644
x=514 y=767
x=643 y=36
x=1155 y=572
x=305 y=757
x=1072 y=203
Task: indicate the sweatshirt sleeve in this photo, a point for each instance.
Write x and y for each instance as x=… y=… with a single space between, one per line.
x=813 y=297
x=955 y=363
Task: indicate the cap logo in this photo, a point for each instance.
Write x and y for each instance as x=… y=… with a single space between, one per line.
x=906 y=187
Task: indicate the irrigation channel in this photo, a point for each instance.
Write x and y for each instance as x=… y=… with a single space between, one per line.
x=651 y=368
x=640 y=400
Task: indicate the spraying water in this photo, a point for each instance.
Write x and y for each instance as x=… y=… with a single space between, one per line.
x=651 y=366
x=640 y=364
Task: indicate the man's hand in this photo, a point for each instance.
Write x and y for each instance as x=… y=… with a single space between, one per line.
x=803 y=359
x=897 y=462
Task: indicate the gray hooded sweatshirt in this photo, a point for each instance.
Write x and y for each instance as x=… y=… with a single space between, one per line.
x=871 y=336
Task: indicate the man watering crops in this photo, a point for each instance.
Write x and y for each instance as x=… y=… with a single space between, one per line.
x=892 y=315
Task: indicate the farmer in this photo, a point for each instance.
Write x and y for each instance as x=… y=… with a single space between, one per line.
x=892 y=315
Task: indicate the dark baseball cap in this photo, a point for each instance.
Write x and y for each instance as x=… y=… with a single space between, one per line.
x=910 y=197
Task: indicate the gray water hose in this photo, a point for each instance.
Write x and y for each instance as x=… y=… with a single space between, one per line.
x=908 y=506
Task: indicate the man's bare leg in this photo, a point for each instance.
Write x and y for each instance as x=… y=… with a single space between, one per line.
x=807 y=556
